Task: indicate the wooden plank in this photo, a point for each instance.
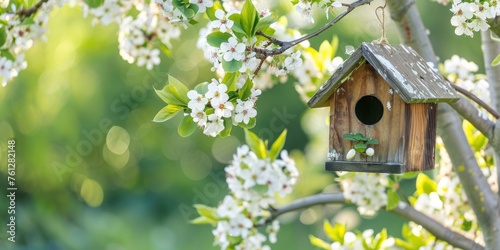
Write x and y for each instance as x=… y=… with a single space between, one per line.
x=421 y=132
x=370 y=167
x=409 y=74
x=322 y=96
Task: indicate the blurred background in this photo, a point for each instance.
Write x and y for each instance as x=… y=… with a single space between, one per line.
x=94 y=172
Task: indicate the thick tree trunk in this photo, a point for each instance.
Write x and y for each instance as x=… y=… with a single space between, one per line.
x=491 y=49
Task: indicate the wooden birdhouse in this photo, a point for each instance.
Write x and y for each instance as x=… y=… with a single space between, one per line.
x=386 y=93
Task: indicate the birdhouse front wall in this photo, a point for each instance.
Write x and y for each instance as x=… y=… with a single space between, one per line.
x=406 y=132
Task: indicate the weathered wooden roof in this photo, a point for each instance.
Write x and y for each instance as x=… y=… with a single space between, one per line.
x=405 y=71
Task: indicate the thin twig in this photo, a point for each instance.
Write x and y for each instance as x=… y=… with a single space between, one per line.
x=286 y=45
x=30 y=11
x=270 y=38
x=403 y=209
x=477 y=100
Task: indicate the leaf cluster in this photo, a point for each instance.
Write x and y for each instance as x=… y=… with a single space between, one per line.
x=361 y=142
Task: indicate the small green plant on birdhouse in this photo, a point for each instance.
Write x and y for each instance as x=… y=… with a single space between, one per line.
x=361 y=145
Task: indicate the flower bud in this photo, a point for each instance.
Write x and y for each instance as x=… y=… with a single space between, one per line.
x=350 y=154
x=370 y=151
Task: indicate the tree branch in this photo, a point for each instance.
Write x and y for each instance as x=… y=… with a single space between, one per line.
x=481 y=198
x=477 y=100
x=435 y=228
x=474 y=116
x=318 y=199
x=286 y=45
x=30 y=11
x=490 y=50
x=403 y=209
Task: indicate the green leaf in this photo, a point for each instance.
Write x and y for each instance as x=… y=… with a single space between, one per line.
x=6 y=53
x=479 y=141
x=211 y=11
x=167 y=97
x=349 y=137
x=425 y=185
x=382 y=236
x=496 y=61
x=251 y=123
x=315 y=241
x=256 y=144
x=405 y=244
x=392 y=199
x=365 y=244
x=203 y=220
x=372 y=141
x=187 y=126
x=193 y=22
x=360 y=147
x=28 y=21
x=3 y=36
x=180 y=89
x=466 y=226
x=335 y=45
x=228 y=125
x=267 y=31
x=94 y=3
x=336 y=233
x=167 y=113
x=165 y=49
x=249 y=18
x=246 y=90
x=359 y=137
x=232 y=66
x=325 y=53
x=237 y=28
x=265 y=22
x=409 y=175
x=230 y=79
x=188 y=10
x=206 y=211
x=415 y=241
x=202 y=88
x=216 y=38
x=277 y=146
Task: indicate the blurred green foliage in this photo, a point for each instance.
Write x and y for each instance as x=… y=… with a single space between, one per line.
x=93 y=170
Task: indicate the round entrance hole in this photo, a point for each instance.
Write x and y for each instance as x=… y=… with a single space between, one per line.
x=369 y=110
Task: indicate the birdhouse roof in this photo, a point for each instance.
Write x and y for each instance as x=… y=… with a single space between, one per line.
x=403 y=69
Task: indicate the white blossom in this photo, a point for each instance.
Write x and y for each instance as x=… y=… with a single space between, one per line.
x=253 y=184
x=293 y=61
x=197 y=101
x=202 y=4
x=223 y=23
x=366 y=190
x=216 y=92
x=305 y=9
x=232 y=50
x=214 y=126
x=110 y=11
x=148 y=57
x=200 y=117
x=245 y=111
x=223 y=107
